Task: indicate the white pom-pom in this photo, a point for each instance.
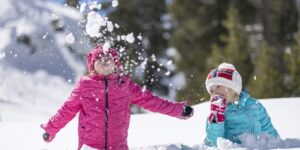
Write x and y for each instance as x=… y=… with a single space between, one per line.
x=226 y=65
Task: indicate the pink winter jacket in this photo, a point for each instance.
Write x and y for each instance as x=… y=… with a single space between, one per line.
x=103 y=128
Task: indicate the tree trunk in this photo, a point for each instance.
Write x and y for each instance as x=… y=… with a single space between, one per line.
x=266 y=21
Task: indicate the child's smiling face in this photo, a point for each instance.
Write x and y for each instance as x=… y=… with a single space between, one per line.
x=224 y=91
x=104 y=65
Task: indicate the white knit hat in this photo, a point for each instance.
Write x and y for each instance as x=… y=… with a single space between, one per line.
x=225 y=75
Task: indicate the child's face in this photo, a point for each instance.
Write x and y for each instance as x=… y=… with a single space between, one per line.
x=104 y=65
x=224 y=91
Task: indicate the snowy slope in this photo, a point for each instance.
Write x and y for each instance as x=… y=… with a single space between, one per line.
x=37 y=67
x=40 y=35
x=31 y=90
x=147 y=131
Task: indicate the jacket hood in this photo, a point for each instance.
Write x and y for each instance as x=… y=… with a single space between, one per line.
x=97 y=52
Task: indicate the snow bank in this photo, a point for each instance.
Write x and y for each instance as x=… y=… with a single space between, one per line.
x=35 y=37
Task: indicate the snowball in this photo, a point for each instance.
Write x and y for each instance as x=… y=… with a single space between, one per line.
x=167 y=73
x=117 y=26
x=118 y=38
x=130 y=38
x=106 y=47
x=139 y=37
x=45 y=36
x=122 y=49
x=115 y=3
x=152 y=80
x=70 y=38
x=144 y=63
x=123 y=37
x=169 y=62
x=94 y=22
x=153 y=57
x=82 y=7
x=110 y=26
x=95 y=5
x=144 y=88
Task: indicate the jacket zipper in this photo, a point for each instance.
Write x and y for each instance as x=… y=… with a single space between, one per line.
x=248 y=116
x=106 y=113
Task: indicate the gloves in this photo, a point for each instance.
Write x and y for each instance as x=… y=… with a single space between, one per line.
x=188 y=112
x=46 y=136
x=217 y=109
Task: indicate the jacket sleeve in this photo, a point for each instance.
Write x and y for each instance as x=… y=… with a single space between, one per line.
x=265 y=120
x=145 y=99
x=213 y=132
x=66 y=113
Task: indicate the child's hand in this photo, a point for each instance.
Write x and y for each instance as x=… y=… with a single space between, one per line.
x=188 y=112
x=217 y=109
x=46 y=136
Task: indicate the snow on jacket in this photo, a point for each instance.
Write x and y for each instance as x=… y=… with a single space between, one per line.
x=98 y=128
x=246 y=116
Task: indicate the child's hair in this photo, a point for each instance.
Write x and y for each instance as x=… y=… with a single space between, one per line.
x=226 y=75
x=235 y=95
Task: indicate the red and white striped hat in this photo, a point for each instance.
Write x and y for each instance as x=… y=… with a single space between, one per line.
x=225 y=75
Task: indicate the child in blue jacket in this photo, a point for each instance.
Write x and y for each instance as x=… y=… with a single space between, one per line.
x=233 y=111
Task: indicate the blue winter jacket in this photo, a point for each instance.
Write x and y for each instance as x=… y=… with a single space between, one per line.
x=246 y=116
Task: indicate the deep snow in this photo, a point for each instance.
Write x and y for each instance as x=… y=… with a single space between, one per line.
x=29 y=98
x=147 y=131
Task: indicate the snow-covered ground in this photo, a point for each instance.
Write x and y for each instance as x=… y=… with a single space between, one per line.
x=19 y=128
x=32 y=87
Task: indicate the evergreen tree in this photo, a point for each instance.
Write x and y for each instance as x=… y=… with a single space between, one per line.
x=150 y=19
x=216 y=57
x=198 y=26
x=237 y=48
x=293 y=63
x=279 y=20
x=73 y=3
x=267 y=81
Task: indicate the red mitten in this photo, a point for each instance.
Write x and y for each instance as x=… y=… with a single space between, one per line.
x=217 y=109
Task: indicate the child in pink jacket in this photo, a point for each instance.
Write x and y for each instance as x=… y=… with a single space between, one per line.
x=103 y=100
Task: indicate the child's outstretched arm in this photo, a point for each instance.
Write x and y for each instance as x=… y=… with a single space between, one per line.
x=267 y=126
x=66 y=113
x=147 y=100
